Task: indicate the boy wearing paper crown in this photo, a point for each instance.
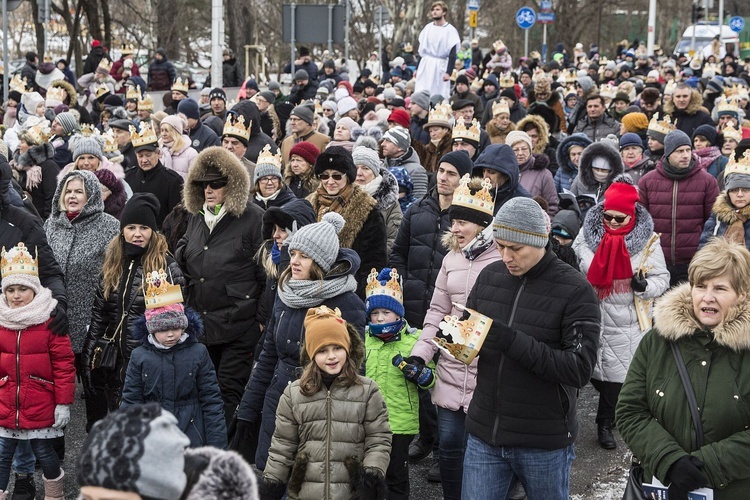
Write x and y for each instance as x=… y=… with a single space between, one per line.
x=389 y=340
x=172 y=368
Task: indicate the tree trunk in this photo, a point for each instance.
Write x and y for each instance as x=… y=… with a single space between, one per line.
x=107 y=19
x=167 y=34
x=91 y=9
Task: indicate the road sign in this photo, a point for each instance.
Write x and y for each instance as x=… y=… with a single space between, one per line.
x=545 y=18
x=525 y=18
x=473 y=18
x=737 y=24
x=546 y=5
x=472 y=5
x=381 y=15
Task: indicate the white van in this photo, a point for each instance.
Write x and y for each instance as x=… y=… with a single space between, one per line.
x=704 y=35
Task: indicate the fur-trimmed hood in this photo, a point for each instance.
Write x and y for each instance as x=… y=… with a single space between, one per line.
x=695 y=104
x=138 y=330
x=36 y=155
x=227 y=476
x=724 y=211
x=94 y=203
x=68 y=88
x=674 y=319
x=387 y=193
x=635 y=240
x=596 y=150
x=563 y=150
x=238 y=187
x=355 y=213
x=541 y=127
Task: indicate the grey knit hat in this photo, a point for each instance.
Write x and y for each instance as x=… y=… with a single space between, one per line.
x=399 y=136
x=362 y=155
x=264 y=170
x=734 y=181
x=675 y=139
x=92 y=145
x=67 y=121
x=320 y=241
x=138 y=449
x=421 y=99
x=522 y=220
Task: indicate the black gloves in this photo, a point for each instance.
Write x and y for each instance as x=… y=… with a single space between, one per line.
x=59 y=324
x=639 y=283
x=371 y=485
x=685 y=475
x=245 y=440
x=269 y=489
x=499 y=338
x=414 y=370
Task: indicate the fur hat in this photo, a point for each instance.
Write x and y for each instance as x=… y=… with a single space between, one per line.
x=323 y=327
x=521 y=220
x=320 y=241
x=336 y=158
x=307 y=150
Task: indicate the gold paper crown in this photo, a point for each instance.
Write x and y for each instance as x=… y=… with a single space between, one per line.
x=468 y=335
x=470 y=134
x=104 y=65
x=507 y=81
x=663 y=127
x=110 y=143
x=538 y=73
x=741 y=166
x=607 y=90
x=87 y=130
x=235 y=126
x=160 y=292
x=268 y=158
x=146 y=103
x=18 y=260
x=133 y=92
x=441 y=114
x=144 y=136
x=19 y=84
x=481 y=200
x=391 y=288
x=731 y=90
x=57 y=94
x=499 y=107
x=39 y=133
x=727 y=105
x=569 y=76
x=732 y=133
x=127 y=49
x=101 y=90
x=180 y=85
x=669 y=87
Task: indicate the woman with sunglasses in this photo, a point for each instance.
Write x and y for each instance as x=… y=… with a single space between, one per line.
x=730 y=215
x=622 y=258
x=364 y=231
x=225 y=282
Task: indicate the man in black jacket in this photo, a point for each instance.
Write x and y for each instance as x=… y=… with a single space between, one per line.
x=541 y=348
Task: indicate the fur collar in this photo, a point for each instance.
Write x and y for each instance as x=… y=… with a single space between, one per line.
x=595 y=150
x=36 y=155
x=227 y=475
x=387 y=193
x=494 y=131
x=696 y=101
x=238 y=188
x=355 y=213
x=724 y=211
x=635 y=240
x=674 y=319
x=69 y=89
x=541 y=127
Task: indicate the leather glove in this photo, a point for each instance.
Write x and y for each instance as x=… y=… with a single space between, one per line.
x=245 y=440
x=685 y=475
x=372 y=486
x=499 y=338
x=639 y=283
x=414 y=370
x=268 y=489
x=62 y=416
x=59 y=324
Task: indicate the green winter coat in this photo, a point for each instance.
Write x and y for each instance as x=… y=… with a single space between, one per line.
x=653 y=414
x=400 y=395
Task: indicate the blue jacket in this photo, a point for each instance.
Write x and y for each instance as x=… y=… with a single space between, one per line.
x=723 y=215
x=279 y=362
x=182 y=380
x=568 y=171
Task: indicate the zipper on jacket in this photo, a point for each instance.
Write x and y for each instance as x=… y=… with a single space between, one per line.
x=672 y=250
x=467 y=290
x=329 y=421
x=42 y=380
x=18 y=378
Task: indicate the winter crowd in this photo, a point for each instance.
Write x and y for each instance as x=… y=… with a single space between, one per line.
x=291 y=281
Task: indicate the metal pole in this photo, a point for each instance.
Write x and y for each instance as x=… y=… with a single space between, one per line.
x=380 y=37
x=217 y=42
x=692 y=37
x=346 y=33
x=544 y=43
x=526 y=42
x=292 y=40
x=5 y=49
x=721 y=17
x=330 y=29
x=651 y=26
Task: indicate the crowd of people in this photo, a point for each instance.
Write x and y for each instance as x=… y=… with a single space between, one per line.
x=280 y=276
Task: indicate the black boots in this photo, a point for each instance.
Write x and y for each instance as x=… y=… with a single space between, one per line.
x=606 y=438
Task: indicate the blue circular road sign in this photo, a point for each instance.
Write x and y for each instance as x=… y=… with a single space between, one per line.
x=525 y=18
x=737 y=24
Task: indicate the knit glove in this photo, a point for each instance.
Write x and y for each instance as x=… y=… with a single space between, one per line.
x=62 y=416
x=371 y=487
x=245 y=439
x=414 y=370
x=639 y=283
x=685 y=475
x=268 y=489
x=59 y=324
x=499 y=338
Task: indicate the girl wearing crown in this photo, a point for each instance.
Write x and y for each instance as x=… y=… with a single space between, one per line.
x=34 y=161
x=730 y=215
x=331 y=419
x=37 y=371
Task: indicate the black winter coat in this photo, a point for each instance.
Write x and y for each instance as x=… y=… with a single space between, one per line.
x=258 y=139
x=93 y=59
x=300 y=94
x=161 y=75
x=231 y=73
x=41 y=196
x=162 y=182
x=130 y=160
x=553 y=317
x=285 y=196
x=202 y=137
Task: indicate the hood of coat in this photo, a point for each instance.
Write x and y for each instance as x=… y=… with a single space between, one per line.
x=347 y=262
x=563 y=150
x=499 y=157
x=542 y=129
x=94 y=203
x=354 y=212
x=387 y=193
x=238 y=186
x=226 y=475
x=356 y=350
x=674 y=316
x=724 y=211
x=250 y=112
x=595 y=150
x=139 y=331
x=36 y=155
x=635 y=240
x=68 y=88
x=696 y=101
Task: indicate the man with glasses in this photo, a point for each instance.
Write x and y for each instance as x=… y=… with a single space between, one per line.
x=302 y=123
x=679 y=196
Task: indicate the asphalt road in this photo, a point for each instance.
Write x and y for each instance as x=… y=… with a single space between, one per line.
x=597 y=474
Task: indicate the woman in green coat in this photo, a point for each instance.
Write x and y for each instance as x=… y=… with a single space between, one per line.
x=709 y=320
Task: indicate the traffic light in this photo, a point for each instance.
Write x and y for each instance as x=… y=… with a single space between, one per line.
x=699 y=13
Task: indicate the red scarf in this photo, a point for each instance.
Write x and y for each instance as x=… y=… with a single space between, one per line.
x=610 y=268
x=72 y=215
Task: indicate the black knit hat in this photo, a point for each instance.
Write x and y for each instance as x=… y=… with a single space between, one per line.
x=459 y=159
x=142 y=208
x=336 y=158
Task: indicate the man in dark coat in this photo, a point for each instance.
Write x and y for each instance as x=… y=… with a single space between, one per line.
x=258 y=139
x=201 y=136
x=551 y=355
x=498 y=163
x=161 y=72
x=685 y=109
x=28 y=71
x=303 y=62
x=97 y=53
x=304 y=87
x=231 y=73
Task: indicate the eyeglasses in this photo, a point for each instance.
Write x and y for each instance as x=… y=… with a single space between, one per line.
x=739 y=190
x=617 y=218
x=269 y=179
x=217 y=184
x=336 y=177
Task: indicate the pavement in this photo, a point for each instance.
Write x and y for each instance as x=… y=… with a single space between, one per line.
x=597 y=474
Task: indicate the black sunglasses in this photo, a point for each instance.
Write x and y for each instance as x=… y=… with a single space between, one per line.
x=217 y=184
x=617 y=218
x=336 y=177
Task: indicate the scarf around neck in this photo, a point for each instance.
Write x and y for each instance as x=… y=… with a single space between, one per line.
x=676 y=173
x=35 y=312
x=333 y=203
x=610 y=269
x=479 y=244
x=706 y=156
x=300 y=294
x=372 y=187
x=212 y=219
x=735 y=233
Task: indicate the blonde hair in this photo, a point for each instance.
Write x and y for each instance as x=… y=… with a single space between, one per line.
x=178 y=142
x=61 y=200
x=718 y=257
x=154 y=259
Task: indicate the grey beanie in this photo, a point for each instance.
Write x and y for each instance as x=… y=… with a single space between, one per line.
x=268 y=96
x=301 y=74
x=421 y=99
x=264 y=170
x=67 y=121
x=734 y=181
x=398 y=136
x=521 y=220
x=91 y=145
x=674 y=140
x=320 y=241
x=304 y=113
x=274 y=86
x=138 y=449
x=362 y=155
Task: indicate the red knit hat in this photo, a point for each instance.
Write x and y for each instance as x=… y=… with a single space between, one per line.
x=307 y=150
x=400 y=117
x=621 y=197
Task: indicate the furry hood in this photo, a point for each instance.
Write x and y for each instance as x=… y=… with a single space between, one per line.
x=68 y=88
x=674 y=319
x=563 y=150
x=635 y=240
x=387 y=193
x=356 y=351
x=94 y=203
x=194 y=330
x=227 y=476
x=595 y=150
x=238 y=188
x=541 y=127
x=696 y=101
x=36 y=155
x=724 y=211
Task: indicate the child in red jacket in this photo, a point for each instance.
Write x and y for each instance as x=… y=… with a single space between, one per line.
x=37 y=372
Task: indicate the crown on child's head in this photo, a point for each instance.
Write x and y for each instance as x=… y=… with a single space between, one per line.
x=235 y=126
x=663 y=127
x=146 y=103
x=133 y=92
x=101 y=90
x=105 y=65
x=160 y=292
x=18 y=260
x=724 y=105
x=57 y=94
x=387 y=283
